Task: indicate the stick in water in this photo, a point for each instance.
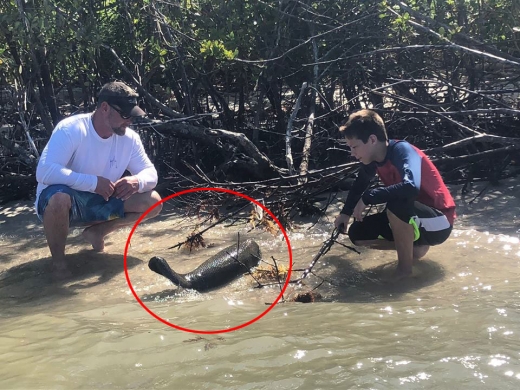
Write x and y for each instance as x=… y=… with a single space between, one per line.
x=324 y=249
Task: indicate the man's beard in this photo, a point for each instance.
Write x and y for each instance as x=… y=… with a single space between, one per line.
x=119 y=130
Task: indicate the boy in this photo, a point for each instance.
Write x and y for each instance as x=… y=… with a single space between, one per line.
x=419 y=208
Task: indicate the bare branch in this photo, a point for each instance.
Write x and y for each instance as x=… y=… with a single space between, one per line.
x=288 y=133
x=167 y=110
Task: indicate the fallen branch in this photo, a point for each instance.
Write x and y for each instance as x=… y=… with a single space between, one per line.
x=262 y=166
x=323 y=250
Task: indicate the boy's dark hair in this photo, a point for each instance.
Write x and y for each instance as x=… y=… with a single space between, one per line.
x=361 y=124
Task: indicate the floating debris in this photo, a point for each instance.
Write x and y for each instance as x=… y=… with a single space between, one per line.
x=306 y=297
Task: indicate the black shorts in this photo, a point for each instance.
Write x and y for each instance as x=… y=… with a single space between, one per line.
x=431 y=227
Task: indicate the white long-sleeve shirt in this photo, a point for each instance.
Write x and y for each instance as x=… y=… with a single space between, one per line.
x=76 y=155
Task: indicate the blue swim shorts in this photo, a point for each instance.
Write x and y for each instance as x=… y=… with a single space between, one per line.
x=87 y=207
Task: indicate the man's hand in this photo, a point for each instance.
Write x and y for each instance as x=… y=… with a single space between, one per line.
x=104 y=187
x=126 y=187
x=342 y=219
x=358 y=210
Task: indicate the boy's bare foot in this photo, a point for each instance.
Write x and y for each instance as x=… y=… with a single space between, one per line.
x=419 y=252
x=98 y=243
x=397 y=275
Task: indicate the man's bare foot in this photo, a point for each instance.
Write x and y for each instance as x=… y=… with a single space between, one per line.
x=60 y=271
x=402 y=274
x=98 y=243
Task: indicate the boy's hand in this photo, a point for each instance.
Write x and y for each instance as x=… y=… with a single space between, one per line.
x=342 y=219
x=358 y=210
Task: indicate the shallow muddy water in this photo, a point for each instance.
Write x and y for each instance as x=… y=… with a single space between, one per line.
x=455 y=324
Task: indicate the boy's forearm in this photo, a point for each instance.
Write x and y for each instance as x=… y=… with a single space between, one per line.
x=405 y=190
x=360 y=186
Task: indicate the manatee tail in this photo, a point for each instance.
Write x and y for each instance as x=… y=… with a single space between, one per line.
x=159 y=265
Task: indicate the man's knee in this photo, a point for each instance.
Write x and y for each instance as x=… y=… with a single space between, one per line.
x=155 y=198
x=59 y=201
x=139 y=203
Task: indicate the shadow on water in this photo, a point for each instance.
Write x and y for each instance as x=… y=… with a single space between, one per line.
x=32 y=283
x=350 y=283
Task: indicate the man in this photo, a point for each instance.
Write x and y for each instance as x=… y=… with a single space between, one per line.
x=80 y=174
x=419 y=208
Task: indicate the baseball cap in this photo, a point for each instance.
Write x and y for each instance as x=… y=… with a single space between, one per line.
x=117 y=93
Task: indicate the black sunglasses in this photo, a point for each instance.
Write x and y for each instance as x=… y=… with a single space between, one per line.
x=118 y=110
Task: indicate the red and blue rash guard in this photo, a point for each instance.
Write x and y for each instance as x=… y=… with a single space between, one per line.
x=407 y=173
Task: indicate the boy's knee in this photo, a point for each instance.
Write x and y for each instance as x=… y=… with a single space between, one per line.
x=355 y=242
x=354 y=233
x=393 y=211
x=420 y=251
x=392 y=218
x=397 y=211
